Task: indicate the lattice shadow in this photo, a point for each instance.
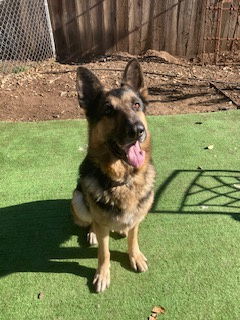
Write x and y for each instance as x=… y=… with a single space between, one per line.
x=200 y=192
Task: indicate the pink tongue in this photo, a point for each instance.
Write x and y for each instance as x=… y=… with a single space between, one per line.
x=135 y=155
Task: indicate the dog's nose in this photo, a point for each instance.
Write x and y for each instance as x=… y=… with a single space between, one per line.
x=136 y=130
x=139 y=129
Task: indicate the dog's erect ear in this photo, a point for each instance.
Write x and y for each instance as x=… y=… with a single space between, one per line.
x=133 y=75
x=89 y=88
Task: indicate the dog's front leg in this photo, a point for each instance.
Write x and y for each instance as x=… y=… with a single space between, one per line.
x=137 y=259
x=102 y=276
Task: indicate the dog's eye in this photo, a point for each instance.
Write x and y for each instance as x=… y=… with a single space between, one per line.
x=136 y=106
x=108 y=110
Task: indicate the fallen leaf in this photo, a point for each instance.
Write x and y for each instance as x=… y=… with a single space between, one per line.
x=204 y=207
x=154 y=315
x=158 y=310
x=151 y=318
x=210 y=147
x=237 y=186
x=40 y=295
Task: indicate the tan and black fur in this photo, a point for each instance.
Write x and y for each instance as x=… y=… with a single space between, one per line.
x=112 y=193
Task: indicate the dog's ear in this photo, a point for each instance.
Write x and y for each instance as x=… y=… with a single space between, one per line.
x=133 y=77
x=89 y=88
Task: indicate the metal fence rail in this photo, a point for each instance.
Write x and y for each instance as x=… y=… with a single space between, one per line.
x=25 y=34
x=221 y=40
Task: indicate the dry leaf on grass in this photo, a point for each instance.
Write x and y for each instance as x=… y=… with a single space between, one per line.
x=210 y=147
x=158 y=310
x=204 y=207
x=40 y=295
x=155 y=312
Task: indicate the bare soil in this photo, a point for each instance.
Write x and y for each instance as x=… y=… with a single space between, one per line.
x=47 y=90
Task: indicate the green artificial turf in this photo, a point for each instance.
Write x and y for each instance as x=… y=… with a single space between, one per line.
x=191 y=237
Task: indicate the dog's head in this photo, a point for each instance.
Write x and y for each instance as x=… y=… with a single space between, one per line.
x=116 y=117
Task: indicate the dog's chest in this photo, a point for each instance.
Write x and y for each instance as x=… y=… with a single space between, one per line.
x=121 y=205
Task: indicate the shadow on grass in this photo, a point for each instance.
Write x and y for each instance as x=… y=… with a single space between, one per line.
x=32 y=234
x=31 y=239
x=200 y=192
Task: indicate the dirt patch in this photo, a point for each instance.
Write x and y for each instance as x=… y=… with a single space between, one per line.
x=47 y=90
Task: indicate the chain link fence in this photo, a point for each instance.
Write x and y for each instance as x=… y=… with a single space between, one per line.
x=25 y=34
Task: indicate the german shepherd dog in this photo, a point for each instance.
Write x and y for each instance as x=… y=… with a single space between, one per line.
x=115 y=186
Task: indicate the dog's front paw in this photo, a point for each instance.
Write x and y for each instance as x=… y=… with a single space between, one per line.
x=138 y=261
x=101 y=279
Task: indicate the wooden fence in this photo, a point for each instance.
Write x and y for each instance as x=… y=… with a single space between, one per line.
x=85 y=27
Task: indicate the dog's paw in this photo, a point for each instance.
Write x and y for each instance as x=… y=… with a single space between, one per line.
x=138 y=261
x=92 y=238
x=101 y=279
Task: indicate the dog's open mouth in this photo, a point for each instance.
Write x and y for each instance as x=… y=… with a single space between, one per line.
x=131 y=153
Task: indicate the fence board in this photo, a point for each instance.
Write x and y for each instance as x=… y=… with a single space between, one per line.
x=109 y=25
x=171 y=23
x=55 y=9
x=162 y=25
x=192 y=40
x=134 y=29
x=180 y=48
x=81 y=26
x=155 y=30
x=122 y=25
